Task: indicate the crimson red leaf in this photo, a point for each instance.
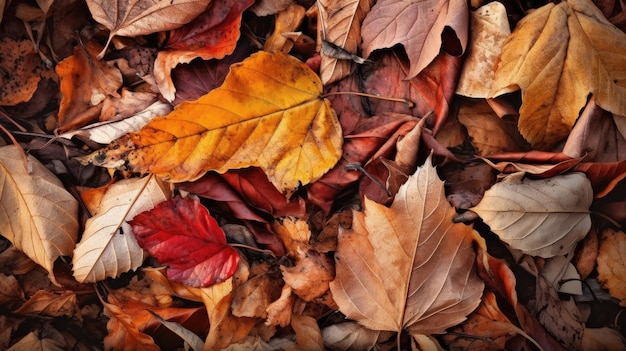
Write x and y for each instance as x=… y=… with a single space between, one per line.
x=182 y=234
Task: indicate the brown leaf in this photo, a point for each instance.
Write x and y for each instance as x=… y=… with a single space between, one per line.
x=611 y=262
x=10 y=290
x=558 y=55
x=252 y=298
x=416 y=25
x=48 y=303
x=310 y=277
x=279 y=312
x=408 y=266
x=308 y=335
x=134 y=18
x=287 y=21
x=351 y=336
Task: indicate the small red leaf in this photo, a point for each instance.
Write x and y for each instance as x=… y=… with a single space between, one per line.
x=182 y=234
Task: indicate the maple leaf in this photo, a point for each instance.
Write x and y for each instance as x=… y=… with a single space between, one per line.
x=140 y=17
x=37 y=214
x=268 y=113
x=182 y=234
x=418 y=25
x=521 y=211
x=558 y=55
x=408 y=266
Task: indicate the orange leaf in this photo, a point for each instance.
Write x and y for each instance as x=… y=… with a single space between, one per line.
x=268 y=113
x=611 y=259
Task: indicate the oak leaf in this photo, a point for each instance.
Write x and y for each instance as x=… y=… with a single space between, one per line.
x=268 y=113
x=108 y=247
x=520 y=211
x=418 y=25
x=408 y=266
x=140 y=17
x=181 y=234
x=558 y=55
x=611 y=258
x=37 y=214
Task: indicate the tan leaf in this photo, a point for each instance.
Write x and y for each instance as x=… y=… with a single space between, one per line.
x=123 y=333
x=252 y=298
x=341 y=25
x=351 y=336
x=408 y=266
x=108 y=247
x=308 y=335
x=139 y=17
x=287 y=20
x=269 y=7
x=310 y=277
x=612 y=264
x=558 y=55
x=48 y=303
x=37 y=214
x=10 y=290
x=602 y=339
x=294 y=233
x=279 y=311
x=32 y=342
x=489 y=28
x=269 y=109
x=520 y=211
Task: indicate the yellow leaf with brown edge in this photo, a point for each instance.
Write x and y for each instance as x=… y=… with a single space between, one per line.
x=558 y=55
x=269 y=113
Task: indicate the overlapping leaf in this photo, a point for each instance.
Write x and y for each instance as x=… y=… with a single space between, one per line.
x=408 y=266
x=37 y=214
x=558 y=55
x=268 y=113
x=522 y=211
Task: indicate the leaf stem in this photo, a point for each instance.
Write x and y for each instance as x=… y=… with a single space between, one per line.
x=607 y=218
x=244 y=246
x=409 y=103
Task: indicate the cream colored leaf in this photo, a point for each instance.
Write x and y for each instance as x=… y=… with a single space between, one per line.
x=545 y=217
x=139 y=17
x=489 y=28
x=37 y=214
x=341 y=25
x=408 y=266
x=106 y=132
x=558 y=55
x=108 y=247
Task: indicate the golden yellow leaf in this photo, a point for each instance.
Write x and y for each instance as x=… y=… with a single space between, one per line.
x=408 y=266
x=612 y=264
x=37 y=214
x=558 y=55
x=268 y=113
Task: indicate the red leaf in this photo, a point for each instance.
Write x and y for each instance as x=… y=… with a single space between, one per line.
x=182 y=234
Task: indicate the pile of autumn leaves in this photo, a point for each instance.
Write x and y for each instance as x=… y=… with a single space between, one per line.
x=399 y=272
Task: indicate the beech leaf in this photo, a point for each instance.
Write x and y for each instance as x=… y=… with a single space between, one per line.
x=37 y=214
x=139 y=17
x=417 y=25
x=108 y=247
x=522 y=211
x=182 y=234
x=558 y=55
x=408 y=266
x=268 y=113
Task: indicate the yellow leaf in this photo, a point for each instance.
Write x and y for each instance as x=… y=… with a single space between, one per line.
x=612 y=264
x=268 y=113
x=108 y=247
x=37 y=214
x=408 y=266
x=558 y=55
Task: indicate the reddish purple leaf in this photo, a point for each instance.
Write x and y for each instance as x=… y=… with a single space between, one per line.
x=181 y=234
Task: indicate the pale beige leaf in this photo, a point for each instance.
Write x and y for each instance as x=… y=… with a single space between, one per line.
x=558 y=55
x=408 y=266
x=37 y=214
x=351 y=336
x=269 y=7
x=140 y=17
x=48 y=303
x=192 y=340
x=521 y=212
x=108 y=247
x=612 y=264
x=341 y=25
x=107 y=132
x=489 y=28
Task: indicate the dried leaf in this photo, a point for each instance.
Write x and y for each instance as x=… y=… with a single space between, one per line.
x=558 y=55
x=611 y=262
x=32 y=342
x=408 y=266
x=37 y=214
x=108 y=247
x=351 y=336
x=308 y=335
x=416 y=25
x=48 y=303
x=521 y=211
x=191 y=339
x=341 y=26
x=181 y=234
x=123 y=333
x=140 y=17
x=287 y=20
x=269 y=109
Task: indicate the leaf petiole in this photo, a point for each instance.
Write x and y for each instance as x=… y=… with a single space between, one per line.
x=408 y=102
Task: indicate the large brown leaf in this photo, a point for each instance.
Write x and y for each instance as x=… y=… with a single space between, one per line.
x=408 y=266
x=558 y=55
x=418 y=25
